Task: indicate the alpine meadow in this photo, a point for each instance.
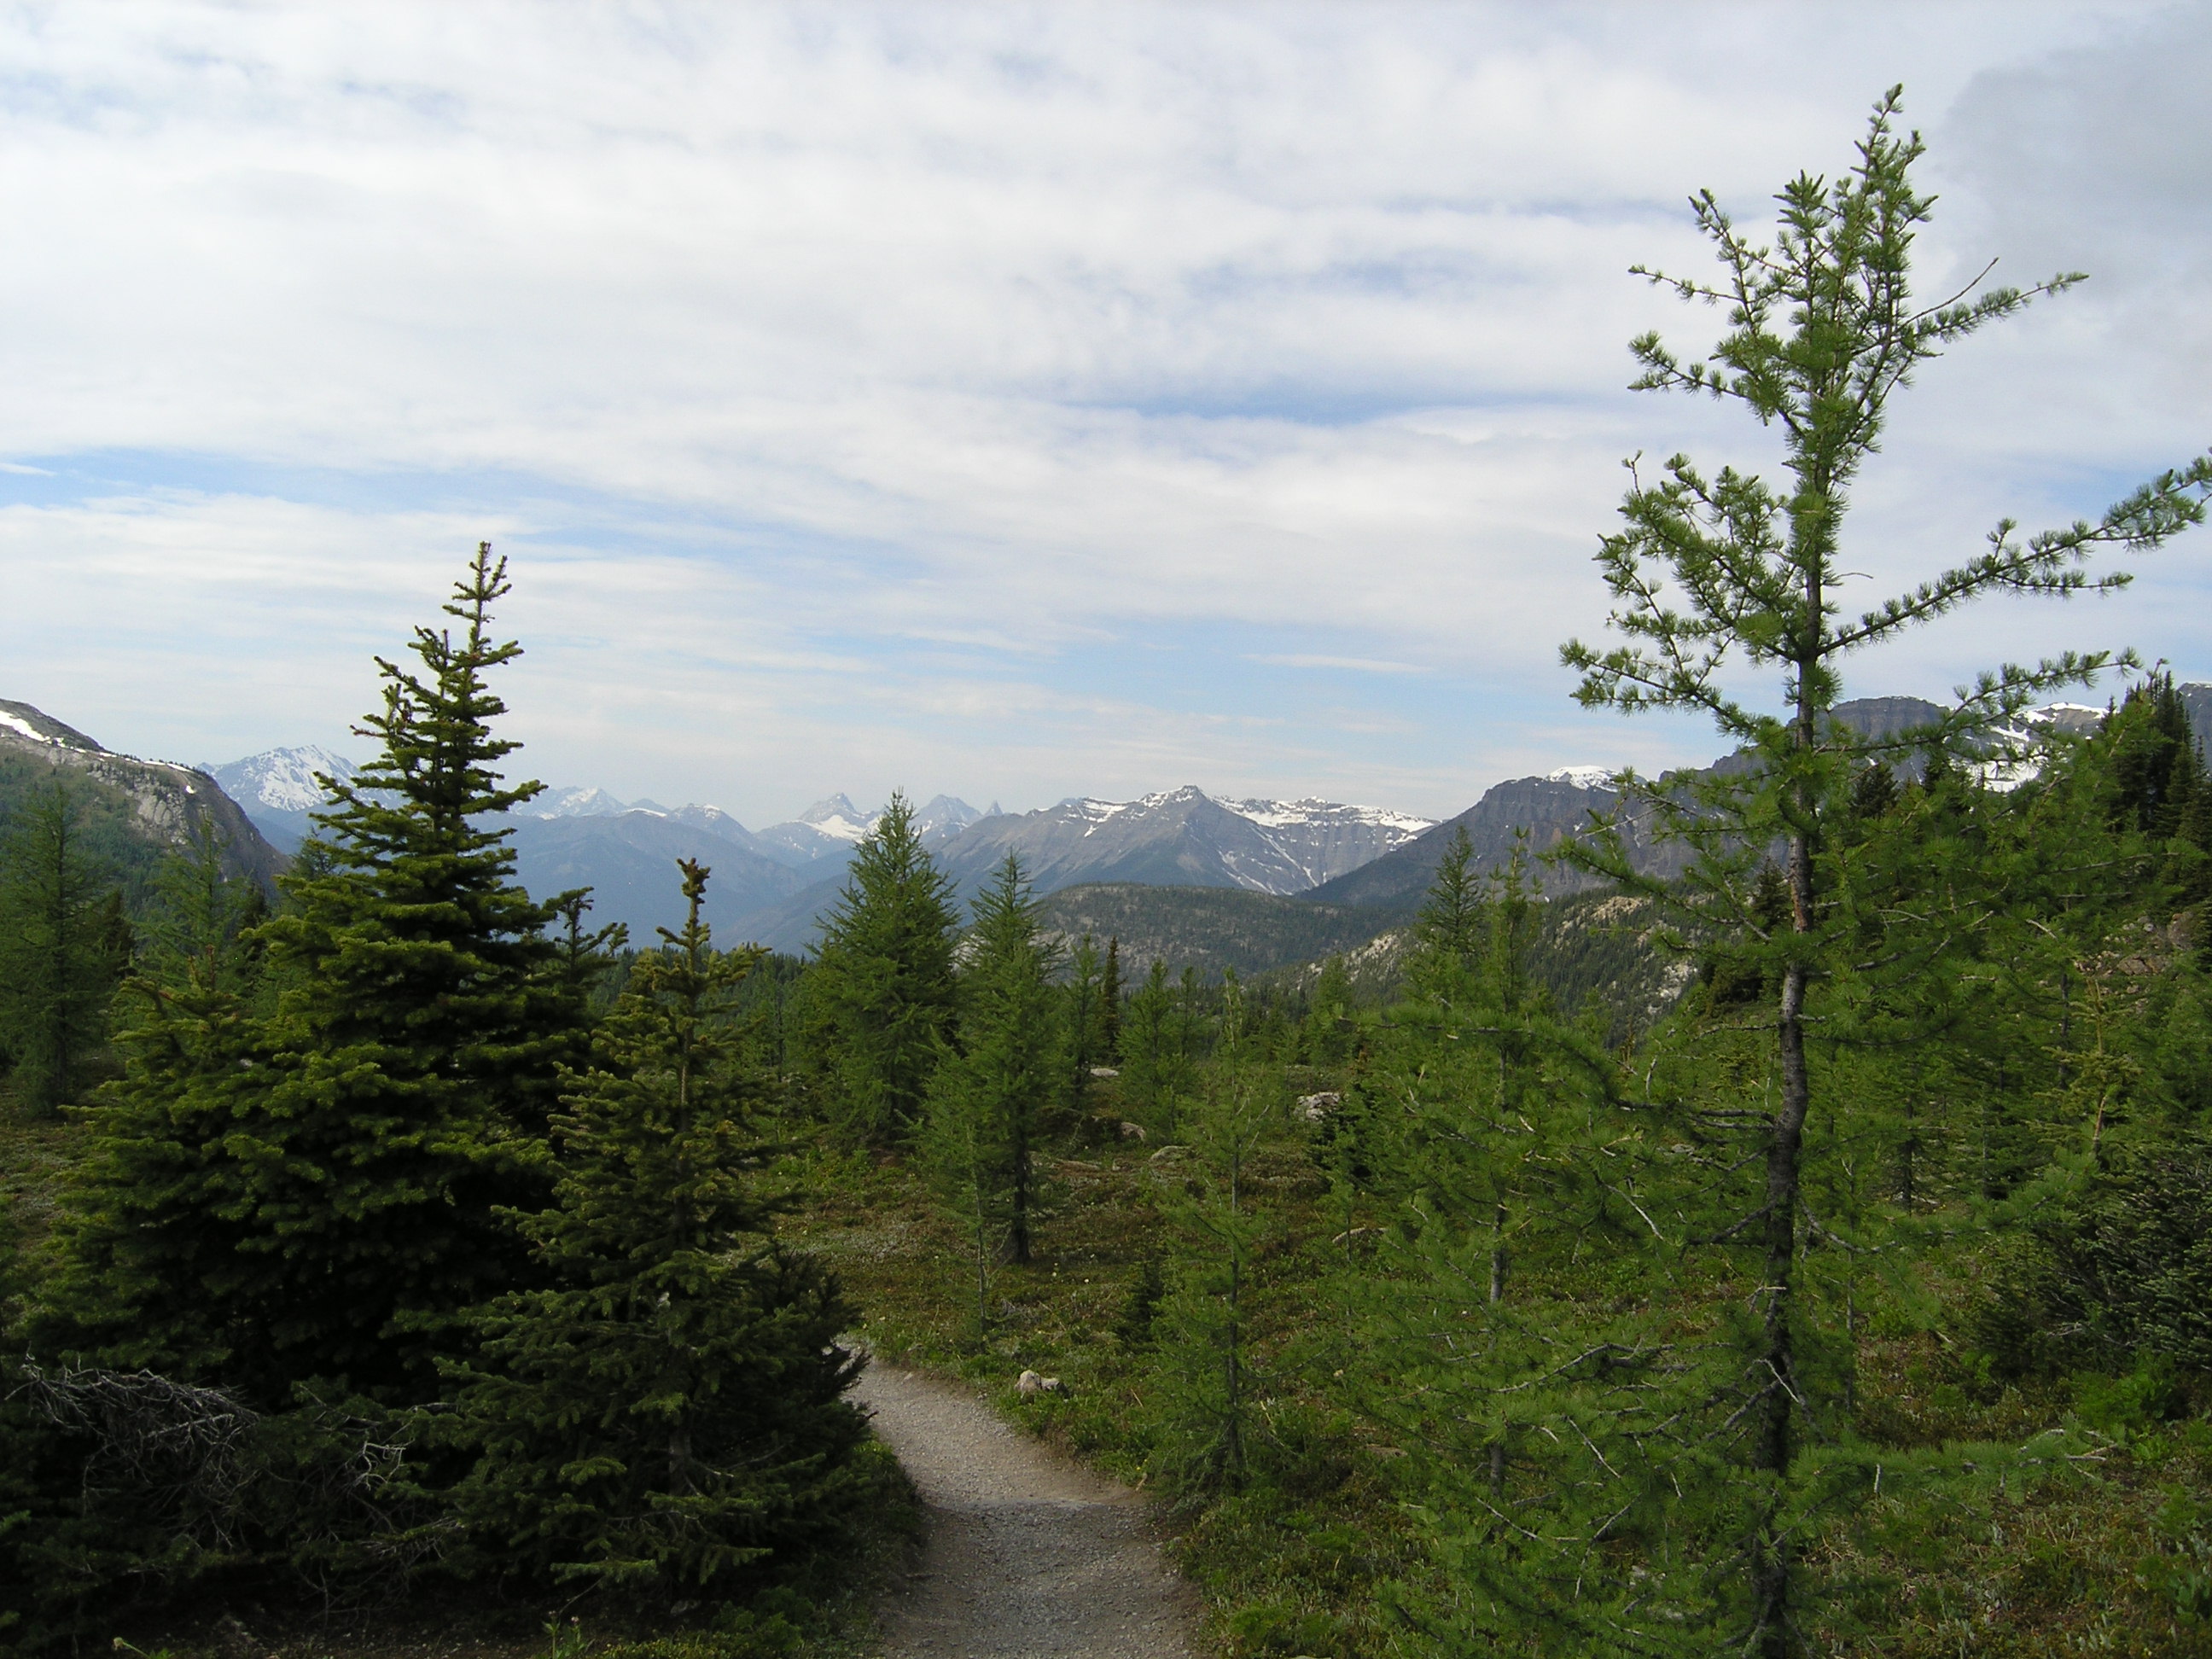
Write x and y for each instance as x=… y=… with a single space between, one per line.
x=1753 y=1209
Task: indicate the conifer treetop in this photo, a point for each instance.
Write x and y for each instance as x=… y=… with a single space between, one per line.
x=1823 y=330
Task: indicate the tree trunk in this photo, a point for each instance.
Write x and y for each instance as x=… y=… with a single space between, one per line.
x=1770 y=1570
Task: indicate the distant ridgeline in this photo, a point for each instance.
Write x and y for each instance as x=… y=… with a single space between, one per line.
x=132 y=811
x=1258 y=886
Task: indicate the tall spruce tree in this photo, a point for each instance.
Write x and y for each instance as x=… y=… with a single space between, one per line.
x=882 y=993
x=1450 y=931
x=667 y=1418
x=312 y=1193
x=63 y=944
x=1822 y=331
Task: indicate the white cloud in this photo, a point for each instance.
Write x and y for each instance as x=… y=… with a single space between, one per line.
x=853 y=385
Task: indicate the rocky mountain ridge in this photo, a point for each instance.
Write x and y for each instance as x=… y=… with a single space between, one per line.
x=1181 y=837
x=159 y=805
x=773 y=884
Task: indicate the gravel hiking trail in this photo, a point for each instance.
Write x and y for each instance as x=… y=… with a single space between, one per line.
x=1028 y=1555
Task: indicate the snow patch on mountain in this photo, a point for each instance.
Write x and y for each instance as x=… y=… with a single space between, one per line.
x=837 y=816
x=1288 y=814
x=2017 y=752
x=1184 y=837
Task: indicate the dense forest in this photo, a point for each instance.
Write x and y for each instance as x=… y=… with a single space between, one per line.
x=1803 y=1255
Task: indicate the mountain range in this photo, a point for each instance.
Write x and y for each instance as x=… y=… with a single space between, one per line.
x=772 y=884
x=1312 y=870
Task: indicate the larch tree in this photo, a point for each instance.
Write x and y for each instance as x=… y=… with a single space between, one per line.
x=1822 y=331
x=883 y=1000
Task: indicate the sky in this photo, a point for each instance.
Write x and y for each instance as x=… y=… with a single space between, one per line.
x=1014 y=401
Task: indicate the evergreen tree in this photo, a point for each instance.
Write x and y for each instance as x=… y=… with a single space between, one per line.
x=1109 y=998
x=1822 y=331
x=584 y=955
x=882 y=987
x=1329 y=1015
x=140 y=1233
x=1085 y=1022
x=2154 y=760
x=1189 y=1020
x=1484 y=1126
x=1209 y=1394
x=964 y=1157
x=1450 y=931
x=670 y=1412
x=199 y=929
x=1153 y=1070
x=1874 y=792
x=993 y=1092
x=64 y=944
x=413 y=947
x=313 y=1191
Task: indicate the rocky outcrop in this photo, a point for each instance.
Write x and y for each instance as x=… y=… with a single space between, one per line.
x=169 y=806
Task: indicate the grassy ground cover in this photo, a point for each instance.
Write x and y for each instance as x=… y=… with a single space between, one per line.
x=2112 y=1555
x=2109 y=1554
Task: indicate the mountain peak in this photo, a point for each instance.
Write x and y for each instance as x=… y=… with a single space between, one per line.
x=282 y=779
x=1583 y=777
x=828 y=807
x=573 y=802
x=1181 y=837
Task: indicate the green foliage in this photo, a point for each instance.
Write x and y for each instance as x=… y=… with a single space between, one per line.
x=309 y=1195
x=1449 y=933
x=64 y=944
x=988 y=1101
x=1208 y=1399
x=668 y=1415
x=1155 y=1069
x=1215 y=930
x=1822 y=332
x=882 y=1002
x=1329 y=1015
x=2122 y=1268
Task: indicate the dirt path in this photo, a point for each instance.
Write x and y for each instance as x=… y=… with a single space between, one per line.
x=1028 y=1554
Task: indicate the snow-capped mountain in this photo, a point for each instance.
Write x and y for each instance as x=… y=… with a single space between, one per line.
x=573 y=802
x=1181 y=837
x=941 y=817
x=277 y=788
x=1583 y=777
x=831 y=828
x=283 y=779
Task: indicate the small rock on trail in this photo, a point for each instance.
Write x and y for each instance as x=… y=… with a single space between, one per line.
x=1028 y=1555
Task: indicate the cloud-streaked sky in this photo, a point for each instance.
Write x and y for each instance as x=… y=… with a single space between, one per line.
x=1015 y=401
